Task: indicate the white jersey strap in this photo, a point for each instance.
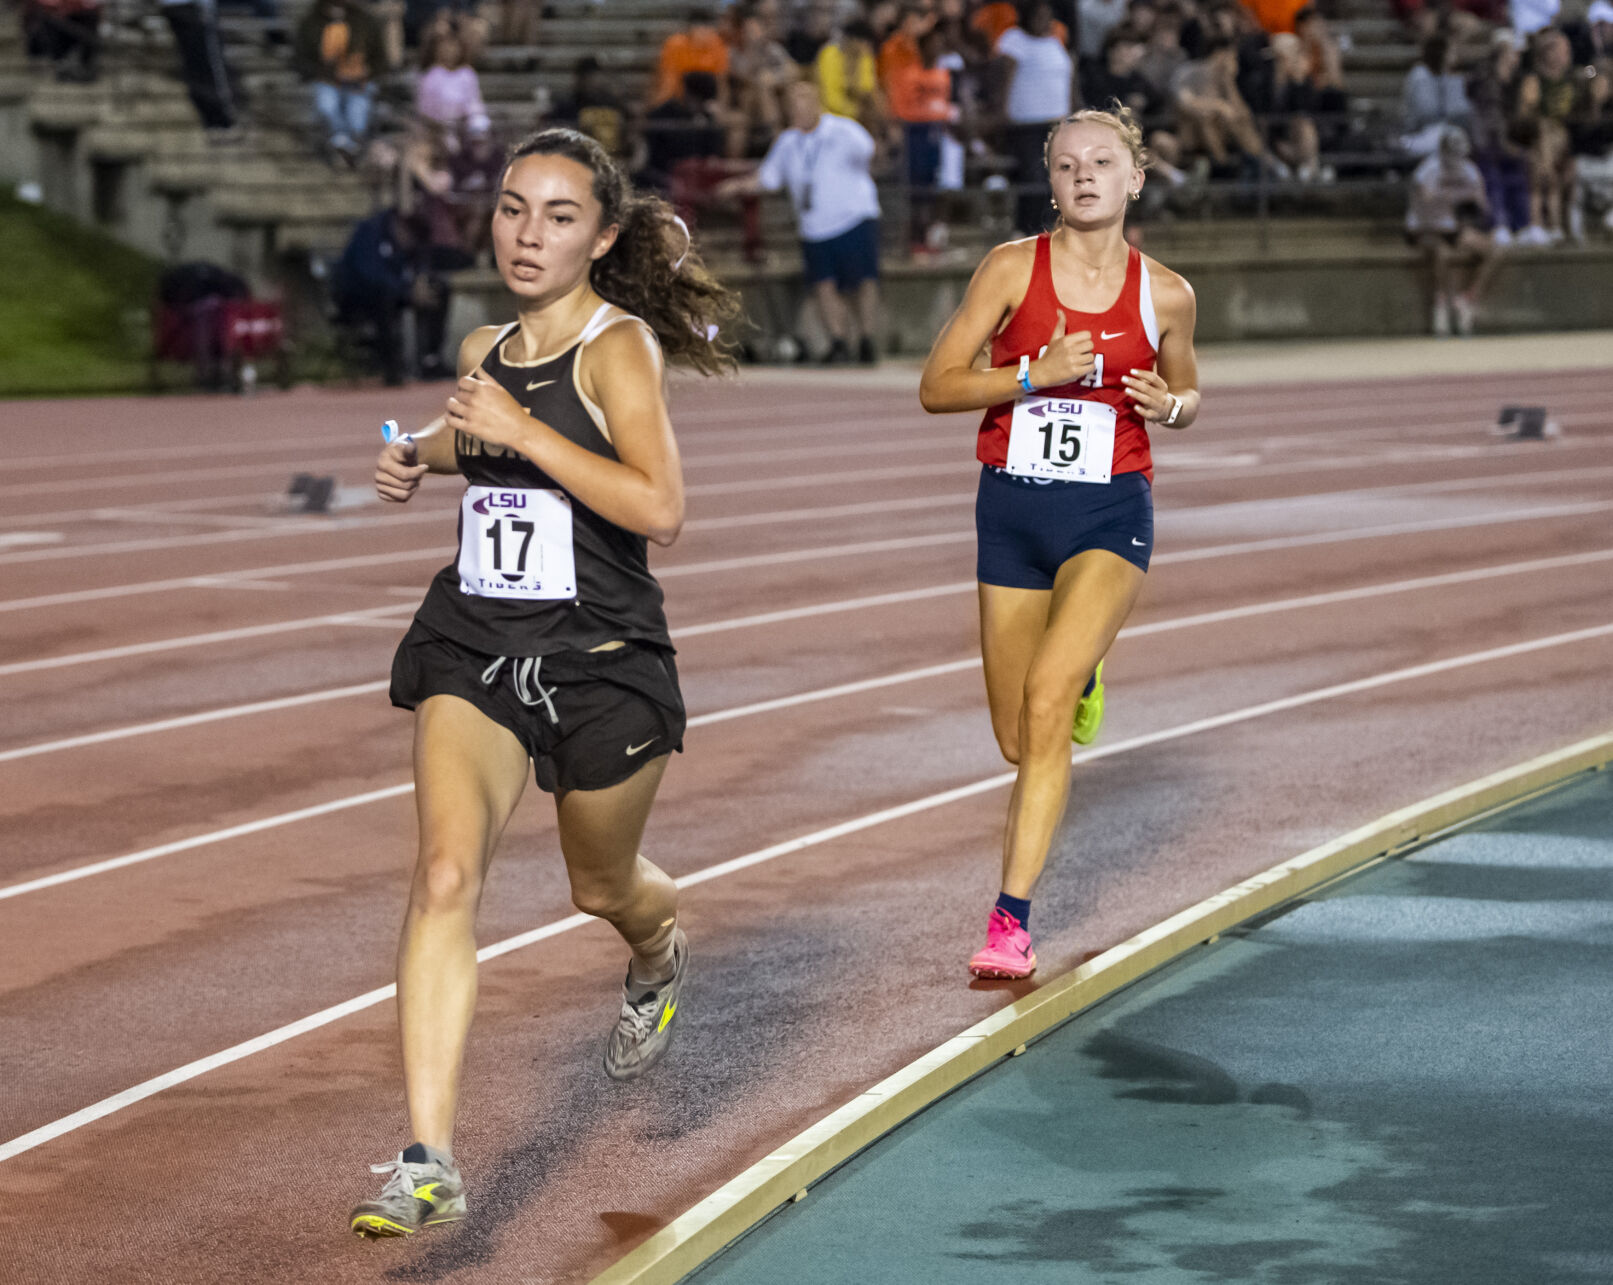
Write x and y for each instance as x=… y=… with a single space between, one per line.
x=1145 y=305
x=601 y=321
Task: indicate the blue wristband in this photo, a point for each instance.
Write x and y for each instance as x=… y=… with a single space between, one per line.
x=1025 y=375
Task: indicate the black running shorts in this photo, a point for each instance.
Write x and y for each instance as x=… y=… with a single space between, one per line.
x=588 y=720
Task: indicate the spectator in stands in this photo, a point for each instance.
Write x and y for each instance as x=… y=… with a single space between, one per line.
x=901 y=48
x=449 y=90
x=375 y=280
x=847 y=74
x=810 y=32
x=921 y=98
x=518 y=22
x=686 y=127
x=1553 y=98
x=194 y=24
x=1432 y=98
x=1290 y=105
x=595 y=108
x=422 y=18
x=1098 y=19
x=1040 y=79
x=1215 y=121
x=338 y=48
x=1324 y=59
x=1447 y=219
x=1117 y=79
x=992 y=19
x=698 y=47
x=1592 y=39
x=1164 y=55
x=823 y=162
x=1499 y=152
x=1275 y=16
x=67 y=33
x=759 y=69
x=1530 y=16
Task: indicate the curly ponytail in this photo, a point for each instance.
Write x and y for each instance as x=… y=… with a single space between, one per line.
x=653 y=270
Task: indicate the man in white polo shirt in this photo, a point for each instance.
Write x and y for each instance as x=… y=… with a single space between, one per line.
x=822 y=160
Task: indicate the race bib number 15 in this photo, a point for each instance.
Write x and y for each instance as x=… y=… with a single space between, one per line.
x=1063 y=438
x=516 y=543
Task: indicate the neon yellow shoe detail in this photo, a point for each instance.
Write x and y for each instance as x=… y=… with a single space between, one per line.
x=1089 y=712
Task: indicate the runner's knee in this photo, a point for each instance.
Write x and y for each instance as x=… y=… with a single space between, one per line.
x=1049 y=707
x=445 y=883
x=600 y=898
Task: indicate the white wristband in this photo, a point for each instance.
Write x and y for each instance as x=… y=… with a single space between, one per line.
x=1176 y=409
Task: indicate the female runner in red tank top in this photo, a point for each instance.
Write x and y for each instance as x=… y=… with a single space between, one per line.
x=1090 y=343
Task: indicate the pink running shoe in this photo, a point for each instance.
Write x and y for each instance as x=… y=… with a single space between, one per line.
x=1008 y=951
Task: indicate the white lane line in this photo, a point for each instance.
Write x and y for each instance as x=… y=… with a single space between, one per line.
x=149 y=1088
x=1379 y=532
x=24 y=539
x=139 y=453
x=201 y=640
x=825 y=609
x=1330 y=598
x=144 y=510
x=192 y=720
x=812 y=555
x=203 y=840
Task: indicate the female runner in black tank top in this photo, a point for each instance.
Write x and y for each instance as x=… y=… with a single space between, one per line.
x=543 y=645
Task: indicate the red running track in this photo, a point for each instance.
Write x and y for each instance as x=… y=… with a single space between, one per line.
x=1359 y=598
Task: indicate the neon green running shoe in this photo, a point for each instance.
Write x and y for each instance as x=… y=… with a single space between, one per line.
x=1089 y=711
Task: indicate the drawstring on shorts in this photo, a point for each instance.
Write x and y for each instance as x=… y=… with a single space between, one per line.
x=524 y=672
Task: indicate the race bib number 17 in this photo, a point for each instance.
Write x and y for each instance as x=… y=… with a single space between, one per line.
x=1063 y=438
x=515 y=542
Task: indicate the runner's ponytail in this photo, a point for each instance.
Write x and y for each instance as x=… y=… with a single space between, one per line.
x=653 y=270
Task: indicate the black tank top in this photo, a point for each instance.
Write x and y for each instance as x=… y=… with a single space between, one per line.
x=616 y=596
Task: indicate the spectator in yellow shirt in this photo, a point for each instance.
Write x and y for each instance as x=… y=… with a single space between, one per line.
x=847 y=74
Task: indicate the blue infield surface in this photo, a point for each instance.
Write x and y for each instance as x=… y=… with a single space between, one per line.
x=1409 y=1078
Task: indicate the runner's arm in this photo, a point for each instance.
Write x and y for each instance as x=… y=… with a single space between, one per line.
x=410 y=456
x=950 y=381
x=1176 y=371
x=641 y=490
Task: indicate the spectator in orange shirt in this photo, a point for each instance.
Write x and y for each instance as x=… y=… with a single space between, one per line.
x=697 y=48
x=901 y=49
x=1275 y=16
x=921 y=98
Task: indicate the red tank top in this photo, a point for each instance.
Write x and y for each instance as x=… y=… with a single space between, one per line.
x=1124 y=337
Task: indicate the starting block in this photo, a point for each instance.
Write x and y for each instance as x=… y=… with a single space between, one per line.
x=310 y=494
x=1526 y=424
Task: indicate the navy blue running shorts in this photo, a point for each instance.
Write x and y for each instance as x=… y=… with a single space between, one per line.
x=848 y=259
x=1029 y=529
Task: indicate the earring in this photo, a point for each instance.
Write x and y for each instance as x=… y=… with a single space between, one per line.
x=1137 y=194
